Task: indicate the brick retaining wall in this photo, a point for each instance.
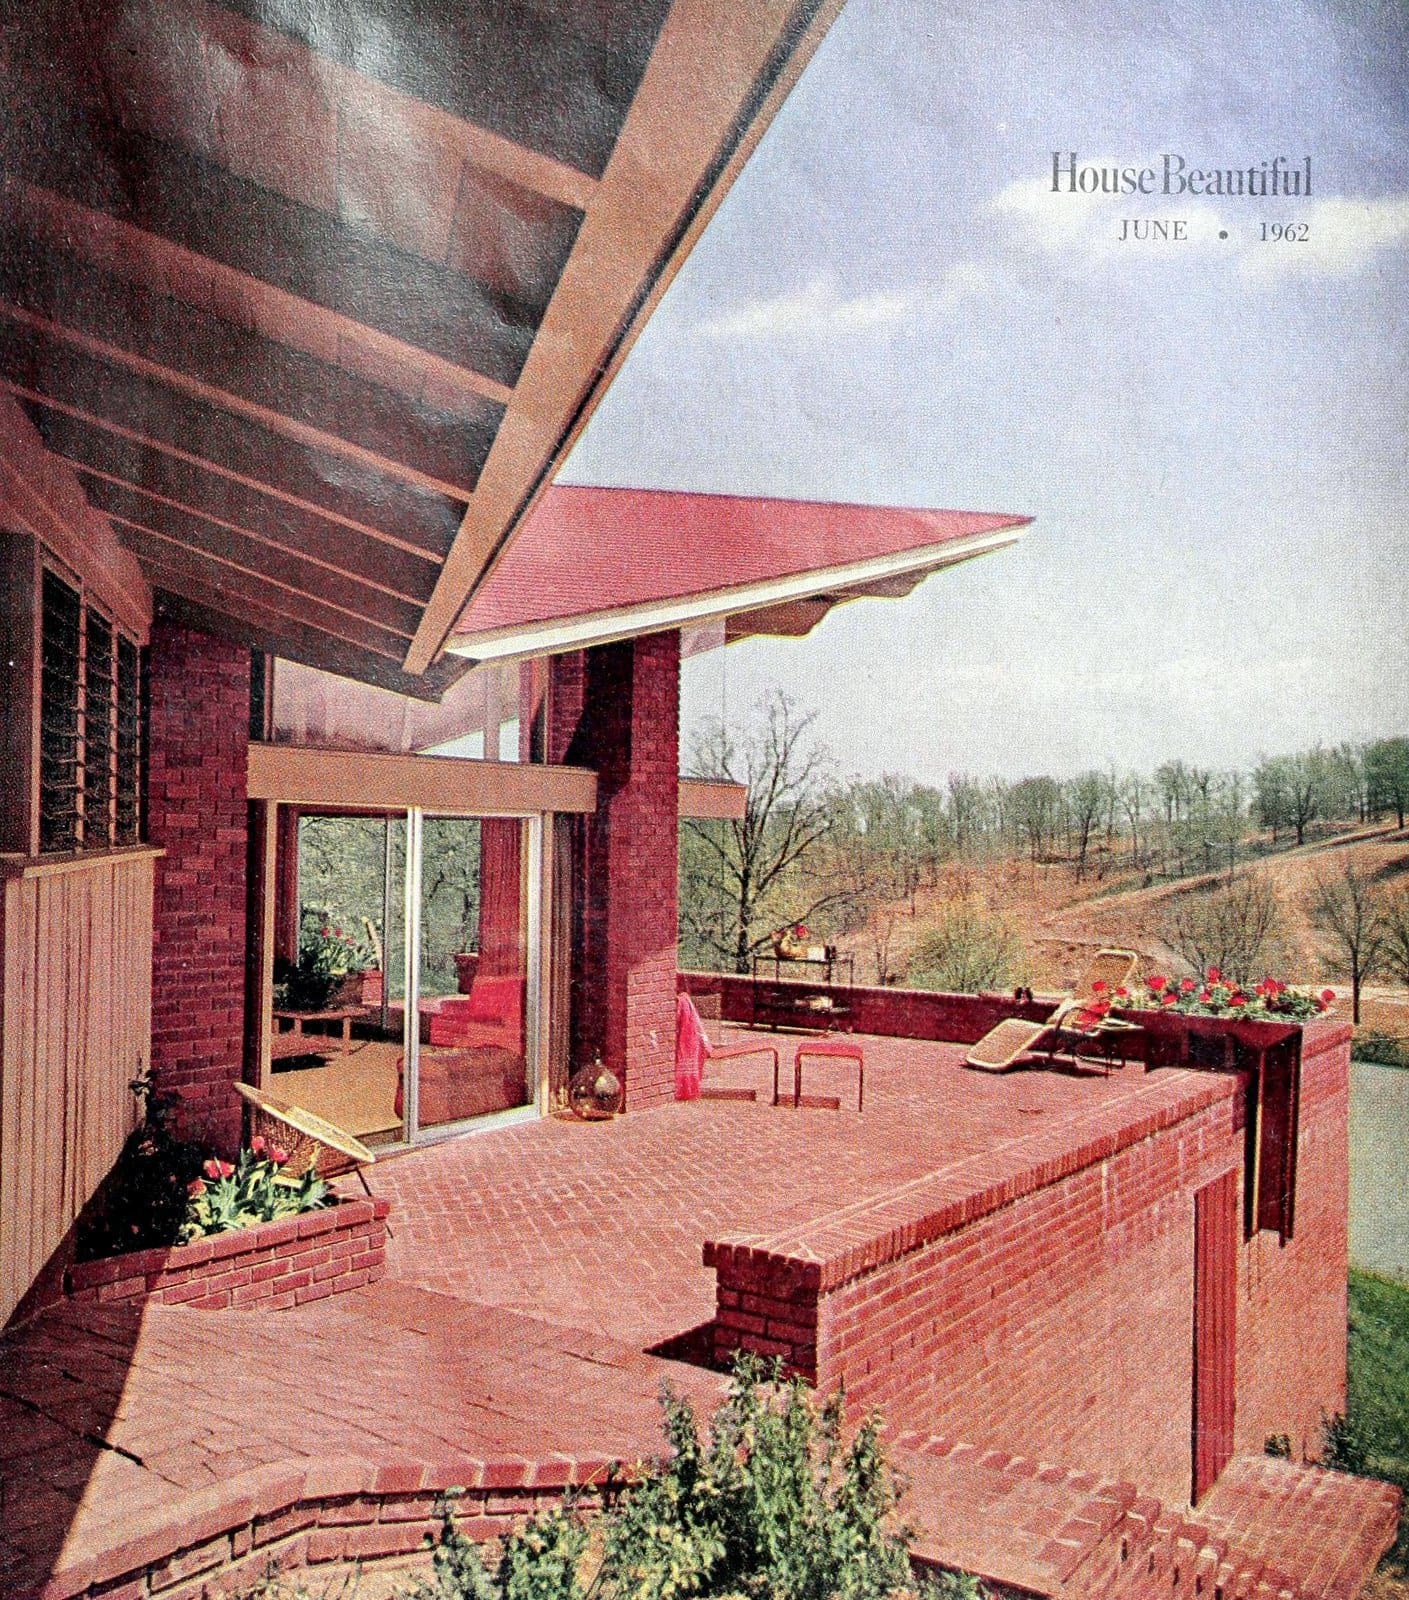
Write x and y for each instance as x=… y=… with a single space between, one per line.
x=332 y=1511
x=270 y=1268
x=887 y=1013
x=1040 y=1306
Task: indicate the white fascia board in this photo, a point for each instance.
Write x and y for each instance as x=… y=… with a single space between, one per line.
x=627 y=622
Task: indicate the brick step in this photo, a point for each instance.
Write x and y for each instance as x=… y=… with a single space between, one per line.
x=1270 y=1530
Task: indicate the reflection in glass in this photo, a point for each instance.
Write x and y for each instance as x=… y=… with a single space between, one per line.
x=474 y=969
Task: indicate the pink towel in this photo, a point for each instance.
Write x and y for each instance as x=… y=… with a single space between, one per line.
x=691 y=1049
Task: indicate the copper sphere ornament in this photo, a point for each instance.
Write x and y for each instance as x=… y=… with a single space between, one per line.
x=594 y=1092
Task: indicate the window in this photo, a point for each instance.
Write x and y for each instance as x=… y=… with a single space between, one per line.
x=60 y=697
x=90 y=726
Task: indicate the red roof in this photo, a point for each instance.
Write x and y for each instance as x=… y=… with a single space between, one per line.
x=586 y=552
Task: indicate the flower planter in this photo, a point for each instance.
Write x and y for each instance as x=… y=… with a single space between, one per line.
x=270 y=1268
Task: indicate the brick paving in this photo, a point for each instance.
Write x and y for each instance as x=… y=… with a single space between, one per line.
x=531 y=1269
x=601 y=1225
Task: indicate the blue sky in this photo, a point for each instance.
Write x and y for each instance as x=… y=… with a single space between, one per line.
x=891 y=307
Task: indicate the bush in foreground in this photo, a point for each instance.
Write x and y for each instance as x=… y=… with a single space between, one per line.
x=772 y=1505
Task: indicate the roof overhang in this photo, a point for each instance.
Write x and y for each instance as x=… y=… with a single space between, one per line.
x=597 y=564
x=314 y=300
x=753 y=602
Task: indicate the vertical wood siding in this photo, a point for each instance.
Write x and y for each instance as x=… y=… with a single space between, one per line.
x=76 y=948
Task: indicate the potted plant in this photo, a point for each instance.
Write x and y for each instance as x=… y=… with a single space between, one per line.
x=330 y=967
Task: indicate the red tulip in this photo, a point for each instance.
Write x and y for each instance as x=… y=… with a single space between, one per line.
x=277 y=1155
x=1213 y=974
x=1328 y=997
x=1099 y=987
x=195 y=1187
x=1187 y=986
x=1237 y=999
x=1155 y=983
x=217 y=1169
x=257 y=1145
x=1169 y=1000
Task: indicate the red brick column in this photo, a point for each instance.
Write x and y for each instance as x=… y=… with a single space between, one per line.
x=197 y=813
x=627 y=697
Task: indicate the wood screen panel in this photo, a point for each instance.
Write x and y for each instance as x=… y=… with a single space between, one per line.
x=76 y=949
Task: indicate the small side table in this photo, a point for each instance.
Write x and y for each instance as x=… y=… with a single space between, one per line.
x=837 y=1050
x=295 y=1042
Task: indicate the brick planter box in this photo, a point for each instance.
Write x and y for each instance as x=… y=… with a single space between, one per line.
x=279 y=1265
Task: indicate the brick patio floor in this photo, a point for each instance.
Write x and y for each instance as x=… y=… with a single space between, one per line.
x=531 y=1269
x=600 y=1225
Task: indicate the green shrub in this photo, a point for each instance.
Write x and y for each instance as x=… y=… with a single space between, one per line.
x=1386 y=1049
x=772 y=1505
x=966 y=950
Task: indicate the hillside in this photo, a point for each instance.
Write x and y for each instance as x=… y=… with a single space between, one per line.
x=1059 y=921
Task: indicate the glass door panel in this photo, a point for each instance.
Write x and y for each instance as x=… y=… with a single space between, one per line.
x=337 y=1038
x=474 y=1055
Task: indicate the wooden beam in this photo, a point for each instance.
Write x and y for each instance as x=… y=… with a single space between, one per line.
x=137 y=258
x=246 y=552
x=44 y=495
x=279 y=637
x=99 y=455
x=717 y=75
x=217 y=361
x=552 y=82
x=293 y=775
x=174 y=570
x=191 y=201
x=33 y=361
x=175 y=559
x=78 y=436
x=705 y=799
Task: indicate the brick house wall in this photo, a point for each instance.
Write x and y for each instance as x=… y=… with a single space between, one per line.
x=616 y=708
x=199 y=696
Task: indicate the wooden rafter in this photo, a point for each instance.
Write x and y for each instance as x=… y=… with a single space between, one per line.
x=315 y=402
x=314 y=406
x=717 y=75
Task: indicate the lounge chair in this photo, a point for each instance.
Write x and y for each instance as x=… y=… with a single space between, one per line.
x=309 y=1139
x=693 y=1049
x=1082 y=1013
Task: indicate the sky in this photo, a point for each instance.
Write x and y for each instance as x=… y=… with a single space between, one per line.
x=892 y=307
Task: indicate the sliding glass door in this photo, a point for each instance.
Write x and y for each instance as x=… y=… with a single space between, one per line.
x=473 y=1057
x=405 y=996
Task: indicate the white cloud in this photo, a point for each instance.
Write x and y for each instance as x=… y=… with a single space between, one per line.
x=821 y=311
x=1084 y=230
x=1342 y=235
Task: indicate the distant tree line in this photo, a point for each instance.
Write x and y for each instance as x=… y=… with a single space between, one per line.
x=853 y=853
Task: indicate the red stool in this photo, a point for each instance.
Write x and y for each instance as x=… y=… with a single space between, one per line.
x=837 y=1050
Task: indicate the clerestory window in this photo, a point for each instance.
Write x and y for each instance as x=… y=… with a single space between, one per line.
x=89 y=725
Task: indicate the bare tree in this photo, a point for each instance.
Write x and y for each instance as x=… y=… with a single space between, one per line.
x=787 y=777
x=1396 y=914
x=1347 y=908
x=1234 y=927
x=1387 y=776
x=1305 y=778
x=1133 y=793
x=1086 y=798
x=967 y=950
